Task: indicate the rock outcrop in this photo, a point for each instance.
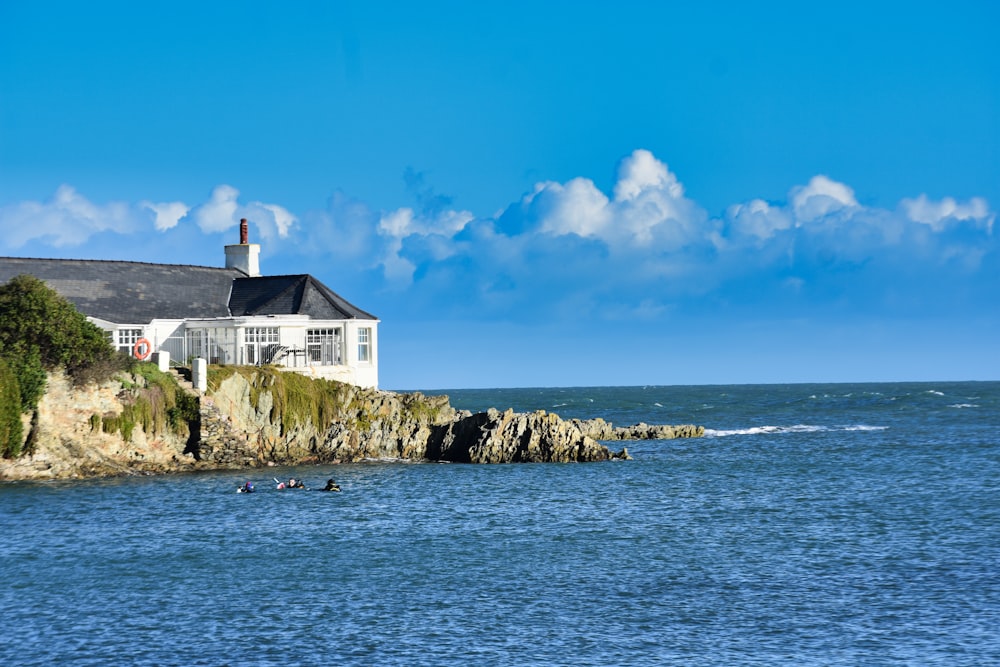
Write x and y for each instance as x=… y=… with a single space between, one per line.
x=67 y=441
x=258 y=417
x=599 y=429
x=512 y=437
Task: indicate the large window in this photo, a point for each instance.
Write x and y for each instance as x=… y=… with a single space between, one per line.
x=260 y=345
x=127 y=339
x=364 y=345
x=216 y=344
x=323 y=347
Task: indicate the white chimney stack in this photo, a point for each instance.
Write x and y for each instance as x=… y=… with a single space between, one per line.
x=244 y=257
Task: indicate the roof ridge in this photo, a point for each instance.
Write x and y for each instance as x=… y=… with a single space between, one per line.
x=120 y=261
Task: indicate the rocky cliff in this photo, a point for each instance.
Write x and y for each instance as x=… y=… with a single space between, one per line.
x=76 y=432
x=258 y=416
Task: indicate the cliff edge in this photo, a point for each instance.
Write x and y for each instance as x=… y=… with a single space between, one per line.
x=252 y=417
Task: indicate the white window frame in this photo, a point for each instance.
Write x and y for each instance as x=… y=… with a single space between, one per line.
x=364 y=345
x=260 y=345
x=127 y=338
x=323 y=347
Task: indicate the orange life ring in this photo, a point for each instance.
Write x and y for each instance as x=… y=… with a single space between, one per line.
x=140 y=352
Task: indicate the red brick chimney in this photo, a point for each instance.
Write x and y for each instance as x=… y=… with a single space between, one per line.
x=244 y=257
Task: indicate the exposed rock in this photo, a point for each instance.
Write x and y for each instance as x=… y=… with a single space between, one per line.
x=67 y=444
x=602 y=430
x=245 y=421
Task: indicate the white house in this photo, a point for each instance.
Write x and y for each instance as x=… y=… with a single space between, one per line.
x=230 y=315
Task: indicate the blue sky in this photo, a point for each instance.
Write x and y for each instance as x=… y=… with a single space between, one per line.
x=545 y=193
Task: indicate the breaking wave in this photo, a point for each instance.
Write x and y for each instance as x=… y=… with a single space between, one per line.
x=797 y=428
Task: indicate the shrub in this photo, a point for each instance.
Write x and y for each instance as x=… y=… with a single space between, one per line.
x=11 y=430
x=41 y=331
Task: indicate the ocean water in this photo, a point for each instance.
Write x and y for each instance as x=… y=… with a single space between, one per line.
x=814 y=525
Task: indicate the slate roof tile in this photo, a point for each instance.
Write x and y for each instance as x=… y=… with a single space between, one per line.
x=138 y=292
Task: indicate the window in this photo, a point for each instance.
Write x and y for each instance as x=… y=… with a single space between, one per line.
x=217 y=345
x=364 y=345
x=260 y=345
x=323 y=347
x=127 y=339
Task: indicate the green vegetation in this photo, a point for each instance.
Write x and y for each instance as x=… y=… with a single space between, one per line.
x=154 y=402
x=297 y=399
x=41 y=331
x=11 y=430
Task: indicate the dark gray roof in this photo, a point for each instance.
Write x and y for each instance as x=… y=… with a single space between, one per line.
x=138 y=292
x=291 y=295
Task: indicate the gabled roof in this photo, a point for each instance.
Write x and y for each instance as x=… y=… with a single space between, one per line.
x=291 y=295
x=139 y=292
x=130 y=292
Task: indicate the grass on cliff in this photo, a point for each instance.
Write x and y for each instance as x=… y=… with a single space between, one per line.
x=152 y=401
x=299 y=400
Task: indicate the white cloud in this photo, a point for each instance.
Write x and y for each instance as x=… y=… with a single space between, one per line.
x=405 y=222
x=938 y=213
x=758 y=218
x=569 y=248
x=394 y=227
x=397 y=224
x=575 y=208
x=223 y=211
x=219 y=213
x=820 y=198
x=272 y=220
x=166 y=215
x=641 y=171
x=68 y=219
x=648 y=209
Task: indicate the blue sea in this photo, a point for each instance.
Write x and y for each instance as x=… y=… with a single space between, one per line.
x=829 y=524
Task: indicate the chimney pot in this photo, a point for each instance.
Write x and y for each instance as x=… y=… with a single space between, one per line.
x=244 y=233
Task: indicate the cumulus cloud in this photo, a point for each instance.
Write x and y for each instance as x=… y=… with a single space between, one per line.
x=395 y=227
x=219 y=213
x=223 y=212
x=642 y=172
x=759 y=219
x=577 y=207
x=820 y=198
x=570 y=250
x=649 y=208
x=67 y=219
x=938 y=213
x=70 y=219
x=166 y=215
x=273 y=221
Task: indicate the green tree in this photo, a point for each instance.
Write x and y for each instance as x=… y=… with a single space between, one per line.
x=11 y=430
x=41 y=331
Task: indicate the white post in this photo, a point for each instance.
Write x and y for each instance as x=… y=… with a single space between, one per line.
x=199 y=374
x=162 y=359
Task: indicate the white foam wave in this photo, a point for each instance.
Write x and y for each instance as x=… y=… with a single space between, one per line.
x=963 y=405
x=796 y=428
x=934 y=392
